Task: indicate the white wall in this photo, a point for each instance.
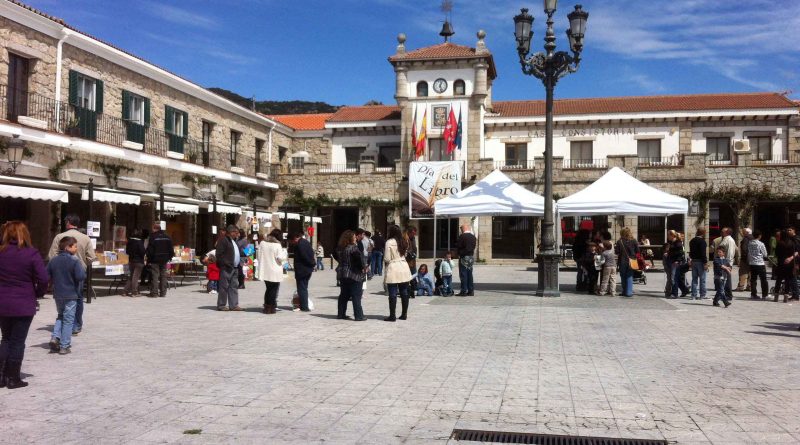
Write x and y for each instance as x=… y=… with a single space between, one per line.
x=699 y=141
x=450 y=75
x=607 y=140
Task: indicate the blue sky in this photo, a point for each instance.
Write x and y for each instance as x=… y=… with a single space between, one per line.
x=336 y=50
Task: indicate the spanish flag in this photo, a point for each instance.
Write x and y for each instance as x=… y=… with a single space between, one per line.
x=422 y=138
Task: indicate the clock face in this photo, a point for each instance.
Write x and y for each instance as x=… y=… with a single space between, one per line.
x=439 y=85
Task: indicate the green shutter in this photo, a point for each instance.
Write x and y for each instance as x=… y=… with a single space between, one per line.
x=185 y=124
x=98 y=94
x=146 y=112
x=73 y=87
x=126 y=104
x=168 y=118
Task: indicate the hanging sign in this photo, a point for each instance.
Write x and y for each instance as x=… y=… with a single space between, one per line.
x=429 y=182
x=93 y=229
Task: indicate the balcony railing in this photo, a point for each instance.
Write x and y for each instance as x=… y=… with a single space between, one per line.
x=340 y=168
x=515 y=165
x=771 y=159
x=586 y=163
x=38 y=111
x=715 y=160
x=670 y=161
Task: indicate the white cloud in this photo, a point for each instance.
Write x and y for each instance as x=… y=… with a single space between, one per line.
x=180 y=16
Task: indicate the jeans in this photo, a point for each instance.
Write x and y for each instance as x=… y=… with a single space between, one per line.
x=302 y=292
x=65 y=323
x=626 y=278
x=424 y=287
x=721 y=283
x=15 y=331
x=78 y=326
x=132 y=287
x=394 y=289
x=377 y=263
x=158 y=280
x=351 y=290
x=448 y=282
x=228 y=288
x=698 y=279
x=757 y=272
x=465 y=274
x=213 y=285
x=320 y=266
x=271 y=293
x=678 y=280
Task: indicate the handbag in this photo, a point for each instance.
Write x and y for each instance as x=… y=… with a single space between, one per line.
x=634 y=263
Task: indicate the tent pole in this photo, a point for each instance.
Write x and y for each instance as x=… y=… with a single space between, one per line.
x=665 y=228
x=434 y=235
x=448 y=236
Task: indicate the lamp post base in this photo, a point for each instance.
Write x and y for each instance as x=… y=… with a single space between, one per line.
x=547 y=285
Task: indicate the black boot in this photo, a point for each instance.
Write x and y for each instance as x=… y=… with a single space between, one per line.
x=392 y=309
x=404 y=305
x=13 y=379
x=2 y=374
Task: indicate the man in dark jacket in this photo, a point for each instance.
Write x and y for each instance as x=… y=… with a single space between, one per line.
x=465 y=246
x=229 y=257
x=376 y=263
x=698 y=258
x=159 y=253
x=304 y=262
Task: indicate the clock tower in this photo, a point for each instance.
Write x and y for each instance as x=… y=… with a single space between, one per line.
x=434 y=80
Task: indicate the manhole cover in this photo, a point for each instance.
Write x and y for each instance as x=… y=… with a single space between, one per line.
x=545 y=439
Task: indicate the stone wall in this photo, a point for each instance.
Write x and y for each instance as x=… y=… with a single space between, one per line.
x=28 y=43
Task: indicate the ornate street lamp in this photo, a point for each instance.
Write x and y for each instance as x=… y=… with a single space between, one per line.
x=549 y=66
x=15 y=150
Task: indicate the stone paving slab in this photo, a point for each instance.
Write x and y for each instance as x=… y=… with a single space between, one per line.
x=148 y=370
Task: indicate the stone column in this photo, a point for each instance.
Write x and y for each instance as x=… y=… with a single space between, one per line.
x=685 y=137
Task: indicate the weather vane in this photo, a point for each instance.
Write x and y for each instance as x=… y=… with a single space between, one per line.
x=447 y=6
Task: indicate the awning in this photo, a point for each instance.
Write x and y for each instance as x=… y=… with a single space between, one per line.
x=107 y=195
x=177 y=207
x=263 y=215
x=294 y=216
x=223 y=207
x=15 y=191
x=316 y=220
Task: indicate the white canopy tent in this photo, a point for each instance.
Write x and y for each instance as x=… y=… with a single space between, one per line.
x=494 y=195
x=618 y=193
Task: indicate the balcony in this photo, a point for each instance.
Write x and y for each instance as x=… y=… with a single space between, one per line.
x=761 y=160
x=513 y=165
x=670 y=161
x=33 y=110
x=586 y=163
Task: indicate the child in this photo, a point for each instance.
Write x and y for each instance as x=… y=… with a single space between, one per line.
x=424 y=281
x=608 y=279
x=446 y=271
x=587 y=262
x=722 y=273
x=212 y=274
x=66 y=274
x=320 y=256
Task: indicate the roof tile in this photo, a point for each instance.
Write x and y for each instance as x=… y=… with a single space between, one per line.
x=641 y=104
x=366 y=113
x=303 y=121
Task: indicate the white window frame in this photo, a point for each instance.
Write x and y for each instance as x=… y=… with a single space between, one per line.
x=135 y=109
x=177 y=123
x=87 y=89
x=298 y=162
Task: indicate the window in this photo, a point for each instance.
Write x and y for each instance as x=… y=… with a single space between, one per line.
x=649 y=150
x=718 y=149
x=459 y=88
x=422 y=89
x=135 y=109
x=761 y=147
x=580 y=151
x=353 y=155
x=207 y=127
x=86 y=92
x=235 y=137
x=259 y=153
x=516 y=154
x=388 y=155
x=176 y=123
x=298 y=162
x=437 y=150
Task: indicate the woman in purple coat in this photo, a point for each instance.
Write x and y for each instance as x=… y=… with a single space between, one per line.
x=22 y=280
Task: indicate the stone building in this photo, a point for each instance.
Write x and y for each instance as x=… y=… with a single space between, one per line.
x=88 y=111
x=736 y=155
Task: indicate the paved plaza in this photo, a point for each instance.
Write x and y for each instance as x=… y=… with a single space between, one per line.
x=156 y=370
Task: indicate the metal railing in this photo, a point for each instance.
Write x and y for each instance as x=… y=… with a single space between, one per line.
x=340 y=168
x=515 y=165
x=712 y=160
x=16 y=104
x=586 y=163
x=772 y=159
x=669 y=161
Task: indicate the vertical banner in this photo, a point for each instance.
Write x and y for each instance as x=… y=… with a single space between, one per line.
x=429 y=182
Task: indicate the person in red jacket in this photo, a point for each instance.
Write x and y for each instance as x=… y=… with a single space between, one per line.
x=212 y=274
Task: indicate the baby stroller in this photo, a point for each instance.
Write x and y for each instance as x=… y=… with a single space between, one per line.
x=439 y=287
x=639 y=276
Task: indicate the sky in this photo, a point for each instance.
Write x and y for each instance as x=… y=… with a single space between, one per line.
x=336 y=50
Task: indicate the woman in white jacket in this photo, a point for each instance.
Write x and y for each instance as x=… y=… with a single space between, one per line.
x=271 y=256
x=397 y=273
